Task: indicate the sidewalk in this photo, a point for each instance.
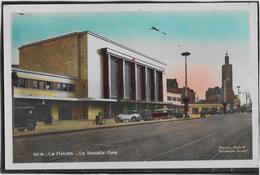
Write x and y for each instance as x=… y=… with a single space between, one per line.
x=78 y=125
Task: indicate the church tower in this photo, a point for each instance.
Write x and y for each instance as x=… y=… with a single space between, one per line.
x=227 y=82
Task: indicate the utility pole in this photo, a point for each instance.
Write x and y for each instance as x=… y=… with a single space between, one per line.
x=186 y=98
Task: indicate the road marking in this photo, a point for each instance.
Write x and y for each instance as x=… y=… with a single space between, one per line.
x=215 y=156
x=195 y=141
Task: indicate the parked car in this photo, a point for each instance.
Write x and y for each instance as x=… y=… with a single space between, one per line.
x=146 y=114
x=132 y=116
x=160 y=114
x=175 y=113
x=24 y=118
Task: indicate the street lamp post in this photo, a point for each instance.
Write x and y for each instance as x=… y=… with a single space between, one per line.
x=186 y=98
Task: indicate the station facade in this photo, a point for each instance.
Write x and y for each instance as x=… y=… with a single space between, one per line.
x=82 y=73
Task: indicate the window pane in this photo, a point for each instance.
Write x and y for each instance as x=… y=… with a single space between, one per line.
x=35 y=84
x=64 y=87
x=41 y=85
x=127 y=80
x=21 y=82
x=114 y=78
x=48 y=86
x=149 y=84
x=139 y=83
x=59 y=86
x=29 y=83
x=157 y=86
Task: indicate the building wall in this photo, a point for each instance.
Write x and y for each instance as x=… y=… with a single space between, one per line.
x=227 y=81
x=201 y=107
x=174 y=98
x=95 y=73
x=31 y=92
x=57 y=56
x=82 y=88
x=94 y=109
x=55 y=112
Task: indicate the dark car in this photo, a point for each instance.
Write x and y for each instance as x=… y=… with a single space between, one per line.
x=146 y=114
x=160 y=114
x=24 y=118
x=175 y=113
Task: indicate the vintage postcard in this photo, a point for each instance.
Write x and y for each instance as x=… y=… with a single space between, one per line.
x=109 y=85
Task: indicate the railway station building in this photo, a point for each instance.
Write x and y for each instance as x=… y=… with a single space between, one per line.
x=80 y=74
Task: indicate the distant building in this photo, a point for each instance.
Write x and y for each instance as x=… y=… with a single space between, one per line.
x=214 y=95
x=172 y=87
x=198 y=108
x=174 y=98
x=227 y=82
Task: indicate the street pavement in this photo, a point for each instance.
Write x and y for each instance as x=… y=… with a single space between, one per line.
x=222 y=137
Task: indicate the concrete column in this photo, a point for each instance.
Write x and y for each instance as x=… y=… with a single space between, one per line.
x=109 y=75
x=124 y=79
x=135 y=81
x=145 y=84
x=155 y=85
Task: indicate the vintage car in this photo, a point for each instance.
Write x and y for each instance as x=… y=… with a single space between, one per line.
x=146 y=114
x=132 y=116
x=160 y=114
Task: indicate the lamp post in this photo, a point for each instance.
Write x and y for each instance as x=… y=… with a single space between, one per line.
x=186 y=98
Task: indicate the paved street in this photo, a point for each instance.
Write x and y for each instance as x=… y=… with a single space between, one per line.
x=216 y=137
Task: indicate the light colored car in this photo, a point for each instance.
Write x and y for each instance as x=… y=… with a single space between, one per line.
x=131 y=116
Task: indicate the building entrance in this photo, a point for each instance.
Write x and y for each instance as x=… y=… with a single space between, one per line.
x=65 y=112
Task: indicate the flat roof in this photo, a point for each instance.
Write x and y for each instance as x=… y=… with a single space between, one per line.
x=95 y=35
x=42 y=73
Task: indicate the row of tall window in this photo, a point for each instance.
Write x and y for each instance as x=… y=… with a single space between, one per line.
x=45 y=85
x=134 y=80
x=169 y=98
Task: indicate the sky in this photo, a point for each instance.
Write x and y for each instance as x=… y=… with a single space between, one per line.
x=207 y=35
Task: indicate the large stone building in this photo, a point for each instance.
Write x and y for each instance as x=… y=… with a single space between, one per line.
x=82 y=73
x=214 y=95
x=172 y=87
x=227 y=82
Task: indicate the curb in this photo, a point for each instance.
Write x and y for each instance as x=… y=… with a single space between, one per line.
x=103 y=127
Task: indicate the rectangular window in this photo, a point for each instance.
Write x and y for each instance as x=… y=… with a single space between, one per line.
x=114 y=77
x=29 y=83
x=59 y=87
x=128 y=80
x=169 y=98
x=48 y=85
x=149 y=84
x=64 y=87
x=71 y=87
x=35 y=84
x=41 y=85
x=22 y=83
x=174 y=99
x=139 y=83
x=158 y=86
x=54 y=86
